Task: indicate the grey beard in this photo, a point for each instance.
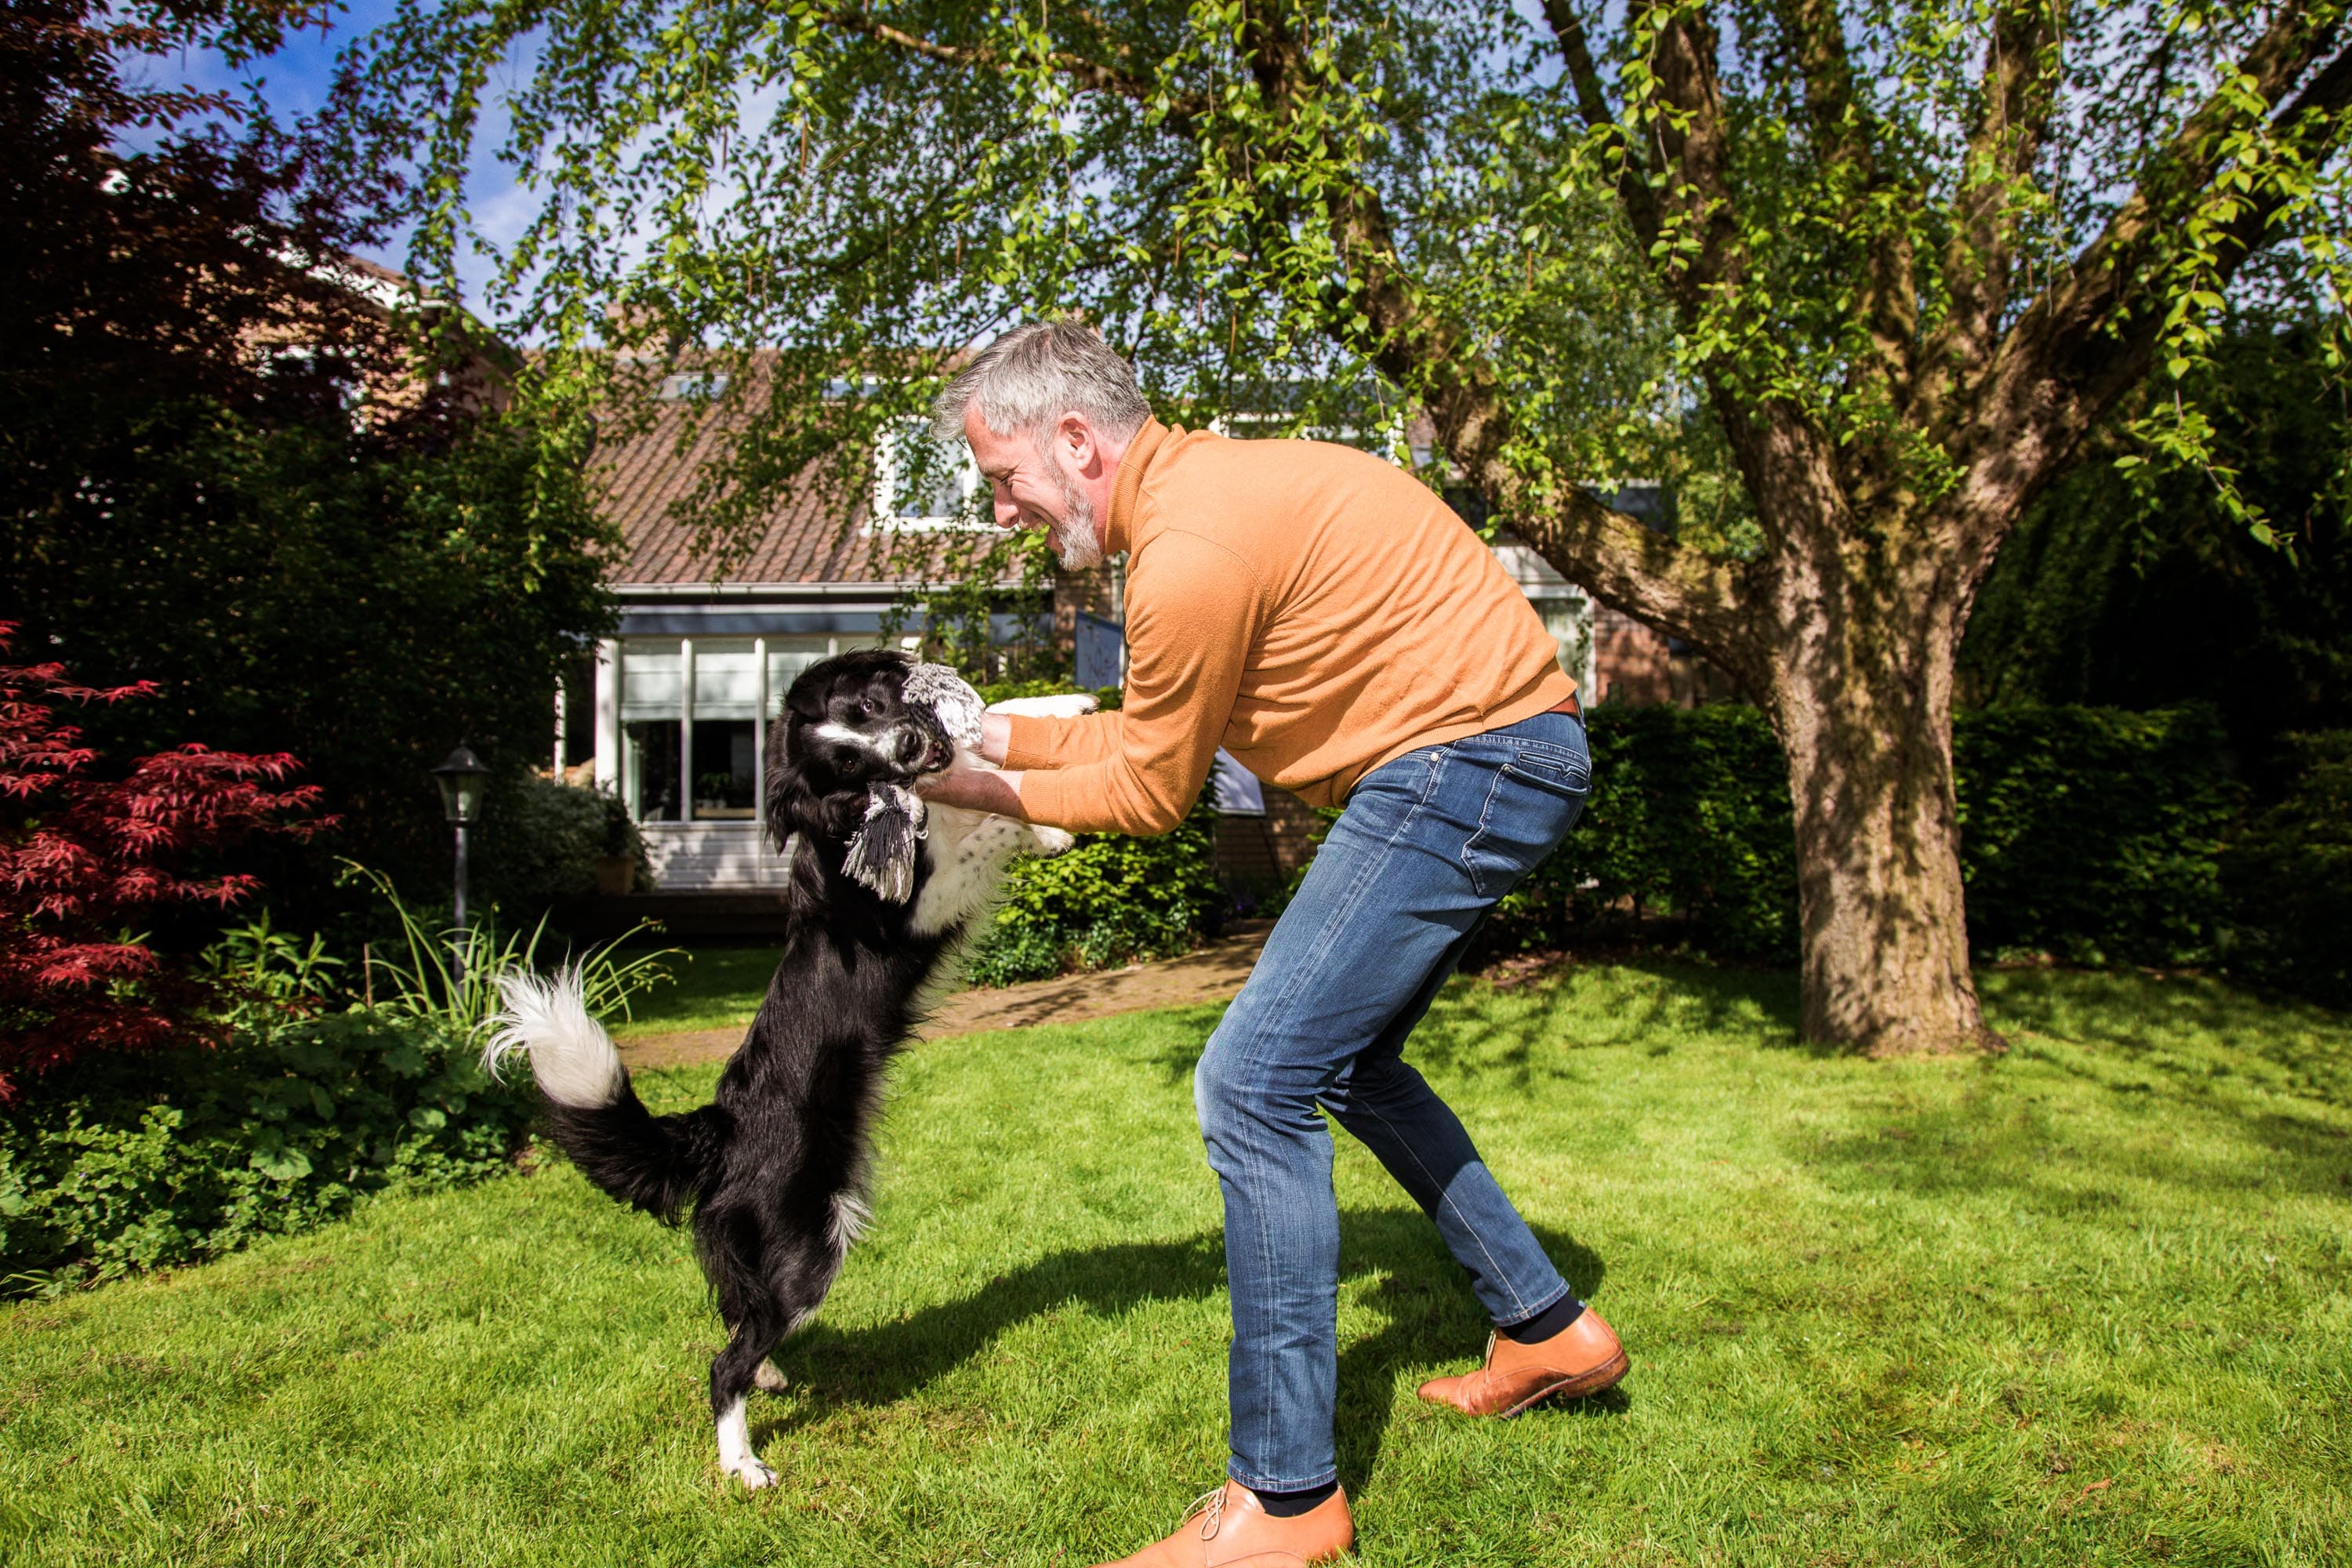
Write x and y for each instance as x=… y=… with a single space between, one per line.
x=1073 y=538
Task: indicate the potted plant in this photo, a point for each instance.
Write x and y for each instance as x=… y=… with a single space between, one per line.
x=625 y=850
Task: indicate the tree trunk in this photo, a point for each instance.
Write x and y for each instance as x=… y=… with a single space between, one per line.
x=1861 y=695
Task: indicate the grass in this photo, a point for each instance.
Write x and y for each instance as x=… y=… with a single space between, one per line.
x=709 y=988
x=2087 y=1303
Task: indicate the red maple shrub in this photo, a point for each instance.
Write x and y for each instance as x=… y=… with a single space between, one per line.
x=84 y=857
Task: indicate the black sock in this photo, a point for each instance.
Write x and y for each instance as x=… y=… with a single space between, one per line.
x=1290 y=1505
x=1544 y=1324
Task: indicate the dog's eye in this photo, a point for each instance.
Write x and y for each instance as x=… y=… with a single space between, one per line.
x=868 y=706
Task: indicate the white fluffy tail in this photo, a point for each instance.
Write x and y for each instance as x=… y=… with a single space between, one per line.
x=570 y=1055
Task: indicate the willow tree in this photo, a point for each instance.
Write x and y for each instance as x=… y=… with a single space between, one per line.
x=1854 y=281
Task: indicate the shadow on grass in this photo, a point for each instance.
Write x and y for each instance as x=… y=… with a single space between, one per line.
x=1433 y=1320
x=1477 y=1026
x=2146 y=1061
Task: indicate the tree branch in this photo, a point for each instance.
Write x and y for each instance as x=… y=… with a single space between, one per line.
x=1842 y=131
x=1633 y=191
x=1182 y=108
x=2022 y=76
x=2091 y=335
x=1611 y=553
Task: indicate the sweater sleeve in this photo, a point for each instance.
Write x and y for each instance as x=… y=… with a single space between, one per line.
x=1193 y=613
x=1062 y=743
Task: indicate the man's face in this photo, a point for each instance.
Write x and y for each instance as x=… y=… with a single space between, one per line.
x=1029 y=488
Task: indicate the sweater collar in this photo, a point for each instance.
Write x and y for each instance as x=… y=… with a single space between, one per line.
x=1120 y=533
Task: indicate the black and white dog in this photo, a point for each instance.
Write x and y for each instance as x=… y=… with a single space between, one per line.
x=882 y=890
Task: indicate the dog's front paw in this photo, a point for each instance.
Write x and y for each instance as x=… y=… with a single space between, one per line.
x=1067 y=705
x=1051 y=841
x=755 y=1476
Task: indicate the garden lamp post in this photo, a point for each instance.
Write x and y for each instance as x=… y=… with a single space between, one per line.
x=461 y=779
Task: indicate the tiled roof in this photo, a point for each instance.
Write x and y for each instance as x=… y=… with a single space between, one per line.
x=812 y=537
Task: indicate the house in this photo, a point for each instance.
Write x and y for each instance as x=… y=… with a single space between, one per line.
x=670 y=714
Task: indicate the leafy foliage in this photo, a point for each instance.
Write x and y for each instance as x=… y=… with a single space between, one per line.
x=2133 y=589
x=177 y=1154
x=2290 y=877
x=1688 y=819
x=2090 y=834
x=82 y=856
x=2093 y=834
x=1111 y=899
x=539 y=840
x=451 y=979
x=312 y=586
x=237 y=466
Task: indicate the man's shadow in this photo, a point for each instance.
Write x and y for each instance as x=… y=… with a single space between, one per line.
x=1434 y=1322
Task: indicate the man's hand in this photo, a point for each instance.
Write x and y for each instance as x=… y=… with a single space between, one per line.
x=974 y=786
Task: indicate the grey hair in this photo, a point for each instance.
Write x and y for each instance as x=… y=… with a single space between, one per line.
x=1026 y=380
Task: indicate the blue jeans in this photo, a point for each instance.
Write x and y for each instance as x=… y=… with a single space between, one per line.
x=1427 y=845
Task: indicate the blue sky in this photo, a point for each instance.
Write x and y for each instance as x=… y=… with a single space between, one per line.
x=294 y=82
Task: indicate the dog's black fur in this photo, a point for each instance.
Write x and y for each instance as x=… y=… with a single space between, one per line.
x=773 y=1170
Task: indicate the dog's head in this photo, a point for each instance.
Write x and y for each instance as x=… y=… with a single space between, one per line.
x=855 y=731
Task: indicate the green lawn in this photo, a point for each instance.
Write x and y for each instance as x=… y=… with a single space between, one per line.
x=707 y=988
x=2091 y=1302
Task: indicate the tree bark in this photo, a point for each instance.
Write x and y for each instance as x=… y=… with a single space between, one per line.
x=1858 y=657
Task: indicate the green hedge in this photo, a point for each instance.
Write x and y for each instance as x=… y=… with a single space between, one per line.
x=2089 y=833
x=133 y=1161
x=1109 y=900
x=2289 y=878
x=2093 y=834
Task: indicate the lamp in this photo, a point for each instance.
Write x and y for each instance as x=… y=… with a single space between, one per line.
x=461 y=779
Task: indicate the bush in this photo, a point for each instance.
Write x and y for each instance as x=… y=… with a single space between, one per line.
x=2289 y=877
x=2093 y=834
x=1689 y=821
x=86 y=858
x=2087 y=833
x=540 y=841
x=185 y=1152
x=1110 y=900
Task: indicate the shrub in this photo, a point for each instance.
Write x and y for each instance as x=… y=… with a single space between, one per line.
x=540 y=841
x=2089 y=833
x=2289 y=877
x=84 y=859
x=2093 y=834
x=1689 y=821
x=184 y=1151
x=1110 y=900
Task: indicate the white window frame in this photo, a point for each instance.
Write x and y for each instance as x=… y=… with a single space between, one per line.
x=612 y=732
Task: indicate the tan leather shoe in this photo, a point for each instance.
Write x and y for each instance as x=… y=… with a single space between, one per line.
x=1582 y=1358
x=1229 y=1528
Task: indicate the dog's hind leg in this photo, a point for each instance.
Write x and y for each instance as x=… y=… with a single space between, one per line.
x=734 y=1373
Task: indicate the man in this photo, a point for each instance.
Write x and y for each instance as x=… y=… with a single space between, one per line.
x=1330 y=623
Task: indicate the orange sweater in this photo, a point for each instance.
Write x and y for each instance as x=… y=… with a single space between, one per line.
x=1311 y=608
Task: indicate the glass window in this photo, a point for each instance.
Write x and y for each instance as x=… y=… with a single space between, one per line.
x=787 y=656
x=650 y=712
x=920 y=484
x=725 y=775
x=649 y=772
x=1569 y=622
x=649 y=676
x=725 y=679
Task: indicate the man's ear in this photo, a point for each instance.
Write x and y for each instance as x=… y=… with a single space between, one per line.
x=1076 y=437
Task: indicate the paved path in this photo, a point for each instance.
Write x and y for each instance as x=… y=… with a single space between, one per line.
x=1212 y=974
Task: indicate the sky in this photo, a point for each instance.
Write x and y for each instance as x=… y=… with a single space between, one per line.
x=294 y=83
